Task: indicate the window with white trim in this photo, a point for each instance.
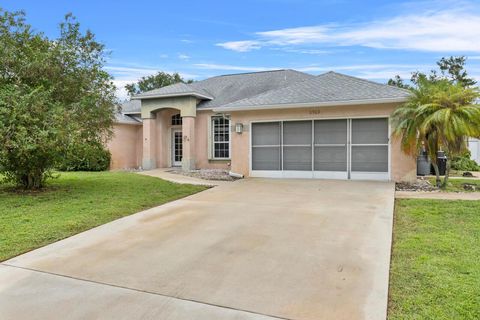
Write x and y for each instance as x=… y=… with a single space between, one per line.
x=221 y=137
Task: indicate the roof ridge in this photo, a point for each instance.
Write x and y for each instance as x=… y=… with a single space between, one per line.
x=252 y=72
x=270 y=91
x=325 y=79
x=364 y=80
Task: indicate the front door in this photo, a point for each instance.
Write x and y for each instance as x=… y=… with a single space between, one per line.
x=177 y=147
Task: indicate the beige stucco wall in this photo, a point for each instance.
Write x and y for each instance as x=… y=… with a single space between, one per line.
x=164 y=140
x=185 y=105
x=403 y=167
x=126 y=146
x=201 y=139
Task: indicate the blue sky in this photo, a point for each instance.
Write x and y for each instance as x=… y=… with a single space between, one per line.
x=199 y=39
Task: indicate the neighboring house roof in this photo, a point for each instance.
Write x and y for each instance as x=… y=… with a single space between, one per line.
x=330 y=88
x=175 y=90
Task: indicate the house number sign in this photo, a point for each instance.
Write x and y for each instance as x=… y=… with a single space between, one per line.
x=314 y=111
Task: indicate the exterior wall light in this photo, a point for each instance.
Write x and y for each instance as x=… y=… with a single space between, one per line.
x=239 y=127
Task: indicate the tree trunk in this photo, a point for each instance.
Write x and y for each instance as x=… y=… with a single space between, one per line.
x=438 y=181
x=447 y=173
x=32 y=181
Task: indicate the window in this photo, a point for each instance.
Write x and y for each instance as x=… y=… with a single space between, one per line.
x=221 y=137
x=176 y=120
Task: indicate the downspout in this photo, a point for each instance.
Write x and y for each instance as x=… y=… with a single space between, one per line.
x=235 y=175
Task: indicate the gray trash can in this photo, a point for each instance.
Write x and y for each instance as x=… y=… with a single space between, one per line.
x=423 y=165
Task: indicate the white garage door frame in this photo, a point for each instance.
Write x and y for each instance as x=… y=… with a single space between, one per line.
x=340 y=175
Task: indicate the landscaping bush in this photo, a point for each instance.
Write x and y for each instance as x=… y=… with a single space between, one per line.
x=465 y=163
x=86 y=157
x=54 y=93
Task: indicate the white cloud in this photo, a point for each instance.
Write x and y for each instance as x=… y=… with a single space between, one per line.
x=306 y=51
x=453 y=29
x=241 y=46
x=183 y=56
x=214 y=66
x=299 y=35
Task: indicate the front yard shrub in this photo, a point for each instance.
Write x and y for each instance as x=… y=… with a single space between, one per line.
x=465 y=163
x=86 y=157
x=54 y=93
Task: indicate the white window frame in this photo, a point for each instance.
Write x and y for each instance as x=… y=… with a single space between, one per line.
x=212 y=137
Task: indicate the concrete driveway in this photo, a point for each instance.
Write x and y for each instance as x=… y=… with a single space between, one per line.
x=253 y=249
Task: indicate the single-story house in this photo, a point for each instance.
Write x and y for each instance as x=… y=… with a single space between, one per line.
x=280 y=123
x=474 y=148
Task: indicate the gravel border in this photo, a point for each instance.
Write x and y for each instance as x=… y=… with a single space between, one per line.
x=206 y=174
x=420 y=185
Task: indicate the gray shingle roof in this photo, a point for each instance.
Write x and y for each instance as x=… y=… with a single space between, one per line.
x=177 y=89
x=126 y=119
x=229 y=88
x=328 y=88
x=132 y=107
x=272 y=89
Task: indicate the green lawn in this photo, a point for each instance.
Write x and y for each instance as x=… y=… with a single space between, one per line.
x=456 y=185
x=76 y=202
x=435 y=270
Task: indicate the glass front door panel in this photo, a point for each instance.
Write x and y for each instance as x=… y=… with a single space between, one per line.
x=177 y=147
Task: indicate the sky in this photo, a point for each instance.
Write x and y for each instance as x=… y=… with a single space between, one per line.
x=370 y=39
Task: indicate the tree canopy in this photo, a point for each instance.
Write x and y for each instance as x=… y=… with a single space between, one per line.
x=440 y=115
x=155 y=81
x=451 y=69
x=54 y=93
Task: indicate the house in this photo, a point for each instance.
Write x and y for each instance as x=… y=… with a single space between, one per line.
x=474 y=148
x=280 y=123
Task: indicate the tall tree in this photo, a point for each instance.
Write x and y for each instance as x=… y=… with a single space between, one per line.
x=155 y=81
x=451 y=69
x=53 y=93
x=440 y=115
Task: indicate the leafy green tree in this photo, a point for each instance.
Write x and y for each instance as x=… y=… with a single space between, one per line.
x=451 y=69
x=397 y=81
x=440 y=115
x=159 y=80
x=53 y=93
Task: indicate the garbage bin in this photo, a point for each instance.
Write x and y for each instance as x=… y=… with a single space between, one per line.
x=423 y=164
x=441 y=163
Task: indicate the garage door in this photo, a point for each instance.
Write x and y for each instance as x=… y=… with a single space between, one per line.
x=332 y=149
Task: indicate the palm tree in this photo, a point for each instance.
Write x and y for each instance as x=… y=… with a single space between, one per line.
x=439 y=115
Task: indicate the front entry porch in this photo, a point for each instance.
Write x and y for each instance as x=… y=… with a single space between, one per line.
x=169 y=133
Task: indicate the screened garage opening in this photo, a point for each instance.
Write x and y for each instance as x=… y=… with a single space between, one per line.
x=331 y=149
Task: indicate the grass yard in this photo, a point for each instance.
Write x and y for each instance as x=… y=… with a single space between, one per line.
x=435 y=270
x=456 y=185
x=76 y=202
